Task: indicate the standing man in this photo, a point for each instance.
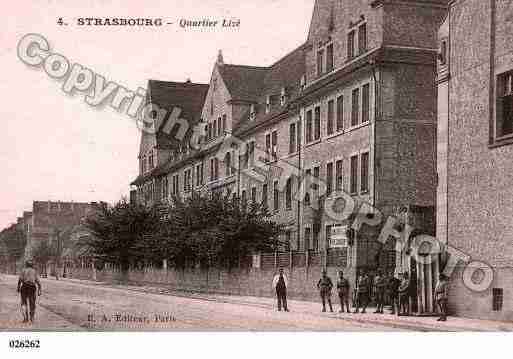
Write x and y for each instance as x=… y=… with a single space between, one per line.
x=393 y=292
x=325 y=285
x=442 y=296
x=404 y=295
x=379 y=290
x=362 y=293
x=27 y=283
x=280 y=284
x=343 y=292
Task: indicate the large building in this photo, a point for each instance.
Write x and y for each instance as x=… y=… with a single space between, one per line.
x=352 y=109
x=475 y=137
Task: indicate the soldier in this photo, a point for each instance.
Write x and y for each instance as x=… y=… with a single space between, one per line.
x=27 y=283
x=404 y=295
x=362 y=293
x=379 y=290
x=325 y=285
x=280 y=284
x=343 y=292
x=393 y=292
x=442 y=296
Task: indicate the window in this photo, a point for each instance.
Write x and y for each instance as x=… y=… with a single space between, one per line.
x=354 y=175
x=211 y=107
x=308 y=178
x=329 y=178
x=175 y=185
x=187 y=180
x=299 y=135
x=350 y=44
x=268 y=147
x=288 y=194
x=253 y=194
x=320 y=62
x=276 y=196
x=243 y=196
x=315 y=239
x=505 y=105
x=498 y=299
x=442 y=56
x=340 y=113
x=365 y=103
x=228 y=164
x=316 y=175
x=328 y=236
x=292 y=138
x=283 y=97
x=251 y=153
x=252 y=112
x=165 y=188
x=339 y=176
x=275 y=145
x=307 y=238
x=219 y=129
x=317 y=123
x=264 y=194
x=309 y=132
x=329 y=58
x=364 y=172
x=209 y=136
x=355 y=113
x=362 y=39
x=224 y=124
x=268 y=104
x=214 y=169
x=199 y=174
x=330 y=124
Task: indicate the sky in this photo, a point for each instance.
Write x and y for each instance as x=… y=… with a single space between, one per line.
x=57 y=147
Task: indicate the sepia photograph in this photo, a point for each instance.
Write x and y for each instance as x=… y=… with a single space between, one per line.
x=272 y=166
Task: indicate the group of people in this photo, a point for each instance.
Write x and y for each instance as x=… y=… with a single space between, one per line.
x=397 y=291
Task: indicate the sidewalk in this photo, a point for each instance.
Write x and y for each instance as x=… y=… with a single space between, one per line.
x=453 y=324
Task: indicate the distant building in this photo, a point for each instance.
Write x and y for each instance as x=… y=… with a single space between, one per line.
x=48 y=220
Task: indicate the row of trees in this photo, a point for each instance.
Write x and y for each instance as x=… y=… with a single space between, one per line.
x=210 y=229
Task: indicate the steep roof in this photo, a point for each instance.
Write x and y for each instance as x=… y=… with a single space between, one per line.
x=188 y=96
x=243 y=82
x=285 y=73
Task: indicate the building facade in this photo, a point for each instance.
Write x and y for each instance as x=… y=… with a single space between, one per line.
x=351 y=110
x=475 y=132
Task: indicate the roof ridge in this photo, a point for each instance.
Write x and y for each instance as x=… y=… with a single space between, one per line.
x=289 y=54
x=248 y=66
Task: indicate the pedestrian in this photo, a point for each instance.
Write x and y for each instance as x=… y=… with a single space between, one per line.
x=343 y=292
x=379 y=291
x=280 y=284
x=404 y=295
x=442 y=296
x=325 y=285
x=362 y=293
x=393 y=292
x=27 y=283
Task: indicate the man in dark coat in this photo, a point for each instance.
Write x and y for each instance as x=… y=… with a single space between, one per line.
x=362 y=293
x=393 y=292
x=343 y=291
x=379 y=291
x=325 y=285
x=280 y=284
x=28 y=283
x=404 y=295
x=442 y=296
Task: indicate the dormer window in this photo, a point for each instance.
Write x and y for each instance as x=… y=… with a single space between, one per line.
x=302 y=83
x=283 y=96
x=268 y=104
x=252 y=112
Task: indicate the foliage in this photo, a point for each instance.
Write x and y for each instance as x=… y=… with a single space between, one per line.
x=43 y=252
x=215 y=230
x=118 y=232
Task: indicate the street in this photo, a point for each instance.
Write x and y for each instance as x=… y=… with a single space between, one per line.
x=72 y=305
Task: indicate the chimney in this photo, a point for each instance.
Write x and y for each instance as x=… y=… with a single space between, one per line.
x=220 y=60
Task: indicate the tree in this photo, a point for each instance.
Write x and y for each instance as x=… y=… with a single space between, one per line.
x=214 y=229
x=42 y=253
x=118 y=232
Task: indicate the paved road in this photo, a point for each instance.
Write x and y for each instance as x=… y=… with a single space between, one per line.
x=67 y=305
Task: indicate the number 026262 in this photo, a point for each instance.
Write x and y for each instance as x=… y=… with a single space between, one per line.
x=23 y=344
